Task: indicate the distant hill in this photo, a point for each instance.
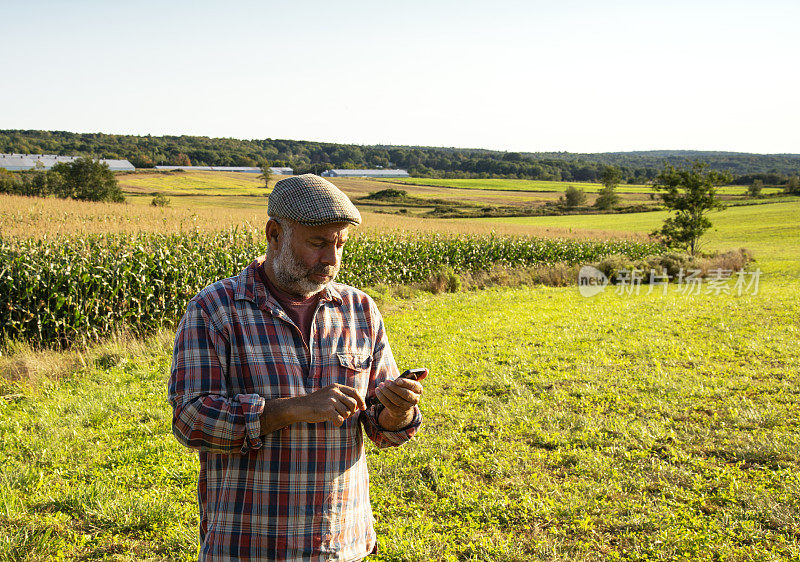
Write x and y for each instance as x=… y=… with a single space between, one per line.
x=737 y=163
x=308 y=156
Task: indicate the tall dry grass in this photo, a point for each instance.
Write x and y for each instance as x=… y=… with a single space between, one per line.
x=36 y=217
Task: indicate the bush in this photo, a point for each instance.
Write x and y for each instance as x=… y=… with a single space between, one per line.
x=675 y=264
x=573 y=197
x=616 y=264
x=159 y=200
x=444 y=281
x=388 y=195
x=672 y=262
x=754 y=189
x=607 y=199
x=735 y=260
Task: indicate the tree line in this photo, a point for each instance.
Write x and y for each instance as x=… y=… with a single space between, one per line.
x=307 y=156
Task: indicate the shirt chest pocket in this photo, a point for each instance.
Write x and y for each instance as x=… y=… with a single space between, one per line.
x=352 y=369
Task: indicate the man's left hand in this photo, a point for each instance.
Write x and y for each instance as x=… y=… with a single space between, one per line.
x=399 y=397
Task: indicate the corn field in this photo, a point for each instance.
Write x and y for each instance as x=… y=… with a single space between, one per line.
x=74 y=290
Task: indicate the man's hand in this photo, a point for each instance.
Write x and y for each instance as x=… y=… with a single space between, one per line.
x=399 y=397
x=334 y=403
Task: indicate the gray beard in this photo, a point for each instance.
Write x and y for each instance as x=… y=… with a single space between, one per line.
x=293 y=277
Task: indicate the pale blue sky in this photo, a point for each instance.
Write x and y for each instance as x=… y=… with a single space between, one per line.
x=573 y=75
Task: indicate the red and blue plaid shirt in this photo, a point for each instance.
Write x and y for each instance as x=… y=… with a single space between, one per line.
x=301 y=492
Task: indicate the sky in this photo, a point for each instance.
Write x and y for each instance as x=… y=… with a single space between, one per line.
x=529 y=76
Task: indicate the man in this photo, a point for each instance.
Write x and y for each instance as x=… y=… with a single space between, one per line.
x=269 y=378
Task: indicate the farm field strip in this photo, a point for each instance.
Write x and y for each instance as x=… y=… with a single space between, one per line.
x=188 y=189
x=771 y=231
x=194 y=182
x=38 y=217
x=546 y=186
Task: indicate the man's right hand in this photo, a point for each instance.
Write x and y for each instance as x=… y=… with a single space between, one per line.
x=334 y=403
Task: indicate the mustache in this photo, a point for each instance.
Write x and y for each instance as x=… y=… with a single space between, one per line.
x=330 y=271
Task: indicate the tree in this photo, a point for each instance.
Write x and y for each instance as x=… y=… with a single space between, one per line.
x=266 y=173
x=142 y=161
x=691 y=193
x=608 y=197
x=573 y=197
x=611 y=176
x=793 y=186
x=754 y=189
x=87 y=179
x=179 y=159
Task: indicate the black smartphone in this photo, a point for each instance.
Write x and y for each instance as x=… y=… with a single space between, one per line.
x=413 y=374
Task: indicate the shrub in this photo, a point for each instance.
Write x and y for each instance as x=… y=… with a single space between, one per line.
x=159 y=200
x=672 y=262
x=573 y=197
x=31 y=183
x=388 y=195
x=754 y=189
x=735 y=260
x=607 y=199
x=444 y=281
x=614 y=265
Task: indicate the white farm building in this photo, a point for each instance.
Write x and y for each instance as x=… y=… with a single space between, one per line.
x=18 y=162
x=365 y=174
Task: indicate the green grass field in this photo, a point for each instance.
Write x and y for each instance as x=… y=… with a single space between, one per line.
x=557 y=427
x=547 y=186
x=205 y=183
x=771 y=231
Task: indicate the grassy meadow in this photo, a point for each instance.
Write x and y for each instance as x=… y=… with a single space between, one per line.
x=771 y=231
x=194 y=182
x=494 y=184
x=619 y=427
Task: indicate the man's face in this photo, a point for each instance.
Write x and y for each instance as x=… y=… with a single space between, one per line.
x=308 y=257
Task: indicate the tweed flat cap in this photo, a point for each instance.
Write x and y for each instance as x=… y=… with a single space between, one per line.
x=311 y=200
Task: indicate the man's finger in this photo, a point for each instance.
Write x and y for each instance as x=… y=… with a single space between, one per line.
x=354 y=394
x=412 y=385
x=350 y=403
x=389 y=398
x=404 y=394
x=341 y=408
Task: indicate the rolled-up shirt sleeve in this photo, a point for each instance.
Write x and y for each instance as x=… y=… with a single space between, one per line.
x=206 y=415
x=384 y=368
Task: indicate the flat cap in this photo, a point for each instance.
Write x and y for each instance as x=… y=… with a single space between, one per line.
x=311 y=200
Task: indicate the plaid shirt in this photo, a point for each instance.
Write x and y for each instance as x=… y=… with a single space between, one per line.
x=301 y=492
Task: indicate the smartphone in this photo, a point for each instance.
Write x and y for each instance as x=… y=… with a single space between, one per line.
x=413 y=374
